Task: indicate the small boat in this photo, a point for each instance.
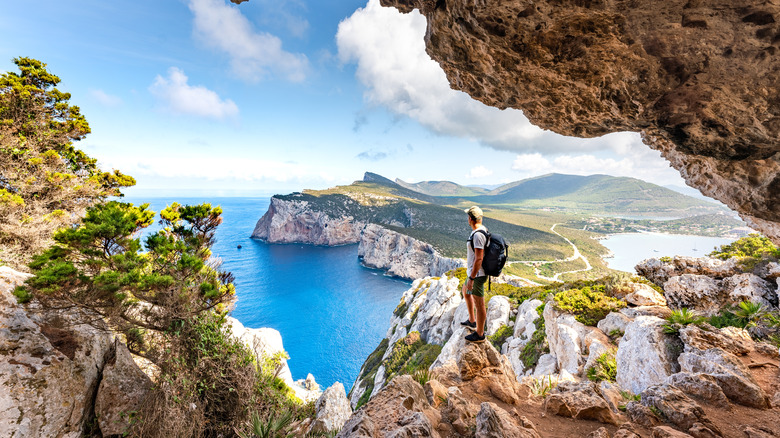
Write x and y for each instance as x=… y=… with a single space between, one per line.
x=239 y=246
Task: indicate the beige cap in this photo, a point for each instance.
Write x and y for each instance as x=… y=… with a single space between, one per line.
x=474 y=212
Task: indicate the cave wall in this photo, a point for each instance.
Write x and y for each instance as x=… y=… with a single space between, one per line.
x=700 y=79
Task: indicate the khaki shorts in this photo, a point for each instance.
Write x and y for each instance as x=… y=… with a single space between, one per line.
x=478 y=287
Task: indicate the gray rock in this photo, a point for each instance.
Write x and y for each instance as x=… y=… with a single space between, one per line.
x=565 y=336
x=614 y=322
x=546 y=365
x=332 y=410
x=660 y=272
x=645 y=356
x=732 y=376
x=701 y=386
x=494 y=422
x=695 y=292
x=601 y=432
x=734 y=340
x=750 y=287
x=579 y=401
x=676 y=407
x=668 y=432
x=641 y=414
x=294 y=221
x=50 y=367
x=644 y=295
x=122 y=391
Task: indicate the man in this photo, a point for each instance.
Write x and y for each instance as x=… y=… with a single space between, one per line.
x=474 y=288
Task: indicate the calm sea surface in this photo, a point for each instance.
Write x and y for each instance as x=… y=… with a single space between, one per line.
x=630 y=249
x=331 y=311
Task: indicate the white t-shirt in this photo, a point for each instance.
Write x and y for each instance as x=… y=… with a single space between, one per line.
x=479 y=241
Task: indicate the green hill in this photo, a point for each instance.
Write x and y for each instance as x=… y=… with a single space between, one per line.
x=596 y=194
x=442 y=188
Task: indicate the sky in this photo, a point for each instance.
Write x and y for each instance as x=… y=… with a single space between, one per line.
x=205 y=97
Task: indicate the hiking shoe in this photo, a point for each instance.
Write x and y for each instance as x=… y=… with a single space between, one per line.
x=474 y=337
x=469 y=325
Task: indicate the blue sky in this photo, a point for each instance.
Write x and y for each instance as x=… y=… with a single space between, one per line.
x=207 y=97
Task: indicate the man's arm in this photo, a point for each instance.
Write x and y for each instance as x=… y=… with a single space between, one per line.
x=479 y=254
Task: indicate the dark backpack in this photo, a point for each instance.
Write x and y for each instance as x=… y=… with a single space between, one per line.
x=496 y=253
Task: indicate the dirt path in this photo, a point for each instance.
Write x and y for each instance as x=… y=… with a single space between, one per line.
x=577 y=255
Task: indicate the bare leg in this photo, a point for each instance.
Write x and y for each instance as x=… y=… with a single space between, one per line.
x=470 y=306
x=479 y=304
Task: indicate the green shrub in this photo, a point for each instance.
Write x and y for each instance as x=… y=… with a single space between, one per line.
x=749 y=313
x=422 y=376
x=679 y=319
x=400 y=310
x=666 y=259
x=370 y=368
x=537 y=345
x=604 y=369
x=498 y=338
x=589 y=305
x=754 y=245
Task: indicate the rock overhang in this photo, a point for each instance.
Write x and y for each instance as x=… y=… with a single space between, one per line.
x=699 y=79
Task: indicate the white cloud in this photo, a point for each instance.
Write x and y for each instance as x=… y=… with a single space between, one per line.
x=389 y=51
x=105 y=99
x=253 y=54
x=179 y=97
x=479 y=172
x=638 y=162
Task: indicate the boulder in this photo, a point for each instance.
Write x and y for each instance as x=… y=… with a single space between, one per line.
x=601 y=432
x=695 y=292
x=50 y=367
x=526 y=318
x=776 y=400
x=579 y=401
x=657 y=311
x=699 y=430
x=565 y=336
x=615 y=322
x=498 y=311
x=122 y=390
x=734 y=340
x=701 y=386
x=459 y=412
x=641 y=414
x=644 y=295
x=400 y=409
x=449 y=353
x=546 y=365
x=332 y=410
x=595 y=343
x=659 y=272
x=646 y=355
x=435 y=392
x=494 y=422
x=488 y=372
x=752 y=432
x=676 y=407
x=668 y=432
x=732 y=376
x=611 y=394
x=750 y=287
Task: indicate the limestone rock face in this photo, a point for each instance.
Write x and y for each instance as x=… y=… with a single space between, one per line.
x=644 y=295
x=525 y=326
x=580 y=401
x=659 y=271
x=332 y=409
x=50 y=368
x=498 y=309
x=292 y=221
x=697 y=79
x=266 y=342
x=732 y=376
x=676 y=407
x=695 y=292
x=401 y=255
x=750 y=287
x=644 y=356
x=122 y=390
x=566 y=336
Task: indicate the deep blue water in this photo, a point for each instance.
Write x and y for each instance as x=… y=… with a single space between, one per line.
x=331 y=311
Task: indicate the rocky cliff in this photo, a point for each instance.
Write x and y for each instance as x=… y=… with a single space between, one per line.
x=296 y=221
x=698 y=79
x=688 y=380
x=401 y=255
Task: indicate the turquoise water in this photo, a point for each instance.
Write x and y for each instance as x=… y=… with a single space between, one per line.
x=331 y=311
x=630 y=249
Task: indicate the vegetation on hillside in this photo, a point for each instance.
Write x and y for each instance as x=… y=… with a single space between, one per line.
x=165 y=296
x=45 y=181
x=751 y=251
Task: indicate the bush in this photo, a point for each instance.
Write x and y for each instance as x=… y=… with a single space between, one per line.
x=589 y=305
x=679 y=319
x=750 y=251
x=500 y=336
x=604 y=369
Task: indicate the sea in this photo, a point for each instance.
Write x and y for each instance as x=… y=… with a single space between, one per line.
x=631 y=248
x=332 y=312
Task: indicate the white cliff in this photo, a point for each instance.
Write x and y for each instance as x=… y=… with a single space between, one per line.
x=401 y=255
x=294 y=221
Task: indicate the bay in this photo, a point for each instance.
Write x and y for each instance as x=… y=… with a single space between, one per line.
x=331 y=311
x=631 y=248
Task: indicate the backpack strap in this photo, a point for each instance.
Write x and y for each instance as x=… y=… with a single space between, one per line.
x=487 y=237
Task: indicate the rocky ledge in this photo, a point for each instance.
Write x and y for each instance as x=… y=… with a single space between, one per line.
x=697 y=78
x=694 y=381
x=295 y=221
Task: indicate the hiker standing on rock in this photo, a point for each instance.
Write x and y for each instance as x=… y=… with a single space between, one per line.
x=474 y=289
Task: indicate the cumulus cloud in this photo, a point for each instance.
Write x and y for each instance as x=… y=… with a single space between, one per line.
x=178 y=97
x=479 y=172
x=105 y=99
x=253 y=55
